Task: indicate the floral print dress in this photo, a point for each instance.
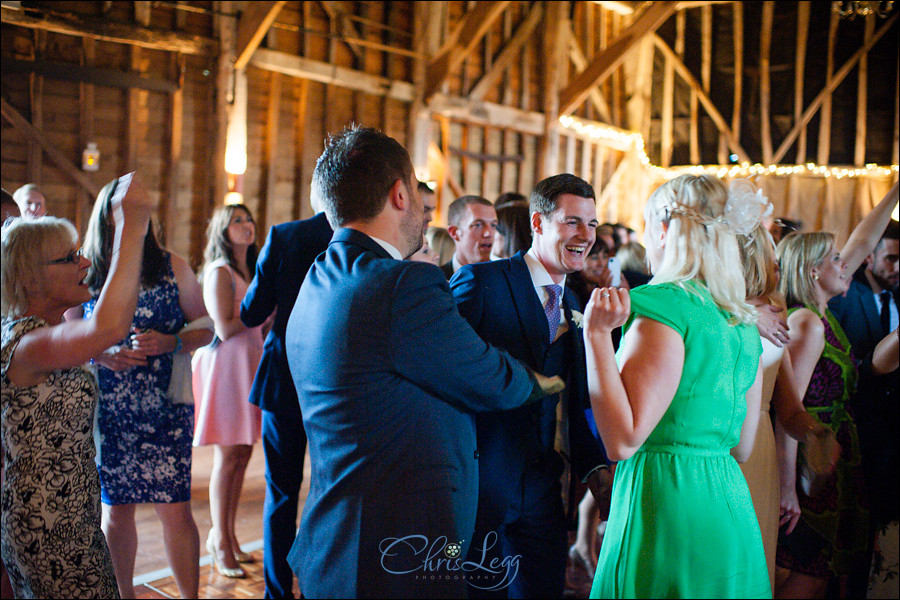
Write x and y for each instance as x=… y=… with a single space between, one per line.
x=145 y=438
x=52 y=544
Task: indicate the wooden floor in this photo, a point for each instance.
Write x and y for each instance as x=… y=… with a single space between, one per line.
x=154 y=580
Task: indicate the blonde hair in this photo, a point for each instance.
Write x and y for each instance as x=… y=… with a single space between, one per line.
x=798 y=254
x=28 y=244
x=441 y=243
x=633 y=257
x=759 y=266
x=699 y=243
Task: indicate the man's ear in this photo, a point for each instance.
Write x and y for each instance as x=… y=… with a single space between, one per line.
x=537 y=225
x=870 y=260
x=453 y=230
x=399 y=195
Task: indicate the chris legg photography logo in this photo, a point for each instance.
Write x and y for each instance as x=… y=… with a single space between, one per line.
x=442 y=559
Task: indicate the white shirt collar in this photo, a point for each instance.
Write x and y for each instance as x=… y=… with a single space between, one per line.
x=395 y=254
x=539 y=275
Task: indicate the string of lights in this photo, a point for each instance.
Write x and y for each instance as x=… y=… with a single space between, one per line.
x=621 y=138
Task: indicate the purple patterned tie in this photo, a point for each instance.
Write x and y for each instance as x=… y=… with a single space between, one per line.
x=551 y=308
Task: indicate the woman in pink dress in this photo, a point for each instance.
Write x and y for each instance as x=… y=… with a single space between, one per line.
x=222 y=375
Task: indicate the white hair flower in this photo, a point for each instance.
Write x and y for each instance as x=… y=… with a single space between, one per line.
x=746 y=206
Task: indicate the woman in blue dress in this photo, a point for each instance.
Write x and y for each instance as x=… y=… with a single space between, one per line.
x=144 y=451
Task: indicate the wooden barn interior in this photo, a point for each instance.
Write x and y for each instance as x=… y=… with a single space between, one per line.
x=207 y=98
x=210 y=99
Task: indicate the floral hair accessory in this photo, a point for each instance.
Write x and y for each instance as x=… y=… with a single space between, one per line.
x=746 y=206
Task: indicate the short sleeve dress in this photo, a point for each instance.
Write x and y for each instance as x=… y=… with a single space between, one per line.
x=222 y=375
x=52 y=544
x=682 y=523
x=145 y=437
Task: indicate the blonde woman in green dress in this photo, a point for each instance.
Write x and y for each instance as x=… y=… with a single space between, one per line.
x=678 y=404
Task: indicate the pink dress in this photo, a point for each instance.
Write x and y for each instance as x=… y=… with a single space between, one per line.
x=222 y=376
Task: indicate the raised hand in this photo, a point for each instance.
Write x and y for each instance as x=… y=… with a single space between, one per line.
x=607 y=309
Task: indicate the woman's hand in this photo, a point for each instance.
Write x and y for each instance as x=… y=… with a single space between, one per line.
x=790 y=509
x=771 y=323
x=120 y=358
x=152 y=342
x=607 y=309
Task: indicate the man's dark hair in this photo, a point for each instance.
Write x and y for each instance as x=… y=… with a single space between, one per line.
x=356 y=171
x=510 y=198
x=457 y=208
x=892 y=232
x=545 y=193
x=424 y=188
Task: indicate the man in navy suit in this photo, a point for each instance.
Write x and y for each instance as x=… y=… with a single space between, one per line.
x=387 y=373
x=286 y=257
x=867 y=313
x=521 y=304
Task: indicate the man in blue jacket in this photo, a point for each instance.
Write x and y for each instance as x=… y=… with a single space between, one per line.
x=392 y=500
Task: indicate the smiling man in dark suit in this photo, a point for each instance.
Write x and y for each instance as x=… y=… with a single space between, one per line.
x=521 y=305
x=285 y=258
x=392 y=499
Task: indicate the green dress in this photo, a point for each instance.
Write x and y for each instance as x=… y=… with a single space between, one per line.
x=682 y=523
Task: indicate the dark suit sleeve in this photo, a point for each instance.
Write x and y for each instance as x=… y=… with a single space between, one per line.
x=466 y=292
x=435 y=348
x=261 y=297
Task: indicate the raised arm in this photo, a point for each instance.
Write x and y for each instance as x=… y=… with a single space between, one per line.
x=886 y=357
x=865 y=236
x=74 y=342
x=628 y=405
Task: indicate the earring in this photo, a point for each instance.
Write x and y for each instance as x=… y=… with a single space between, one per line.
x=816 y=276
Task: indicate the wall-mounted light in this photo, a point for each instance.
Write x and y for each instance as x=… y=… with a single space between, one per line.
x=90 y=157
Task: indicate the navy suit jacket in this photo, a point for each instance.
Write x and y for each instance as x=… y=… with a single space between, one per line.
x=875 y=404
x=387 y=372
x=289 y=251
x=498 y=299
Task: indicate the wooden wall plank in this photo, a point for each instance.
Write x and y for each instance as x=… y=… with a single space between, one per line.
x=799 y=74
x=738 y=35
x=765 y=86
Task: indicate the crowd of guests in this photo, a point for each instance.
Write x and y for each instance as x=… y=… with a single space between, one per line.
x=706 y=430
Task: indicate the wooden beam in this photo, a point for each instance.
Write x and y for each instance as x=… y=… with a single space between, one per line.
x=704 y=99
x=86 y=74
x=765 y=87
x=576 y=55
x=314 y=70
x=109 y=31
x=461 y=43
x=612 y=56
x=252 y=27
x=799 y=71
x=833 y=82
x=273 y=116
x=169 y=203
x=509 y=53
x=553 y=49
x=85 y=126
x=53 y=153
x=36 y=98
x=859 y=151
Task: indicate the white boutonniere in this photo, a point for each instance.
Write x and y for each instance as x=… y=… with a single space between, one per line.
x=578 y=319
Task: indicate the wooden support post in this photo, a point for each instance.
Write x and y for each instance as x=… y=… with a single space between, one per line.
x=273 y=118
x=859 y=151
x=86 y=128
x=765 y=109
x=799 y=72
x=738 y=25
x=824 y=151
x=555 y=25
x=299 y=145
x=36 y=94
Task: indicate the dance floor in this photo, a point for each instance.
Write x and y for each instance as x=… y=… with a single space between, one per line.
x=154 y=580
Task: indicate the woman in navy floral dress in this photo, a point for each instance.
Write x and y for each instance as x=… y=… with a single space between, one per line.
x=144 y=452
